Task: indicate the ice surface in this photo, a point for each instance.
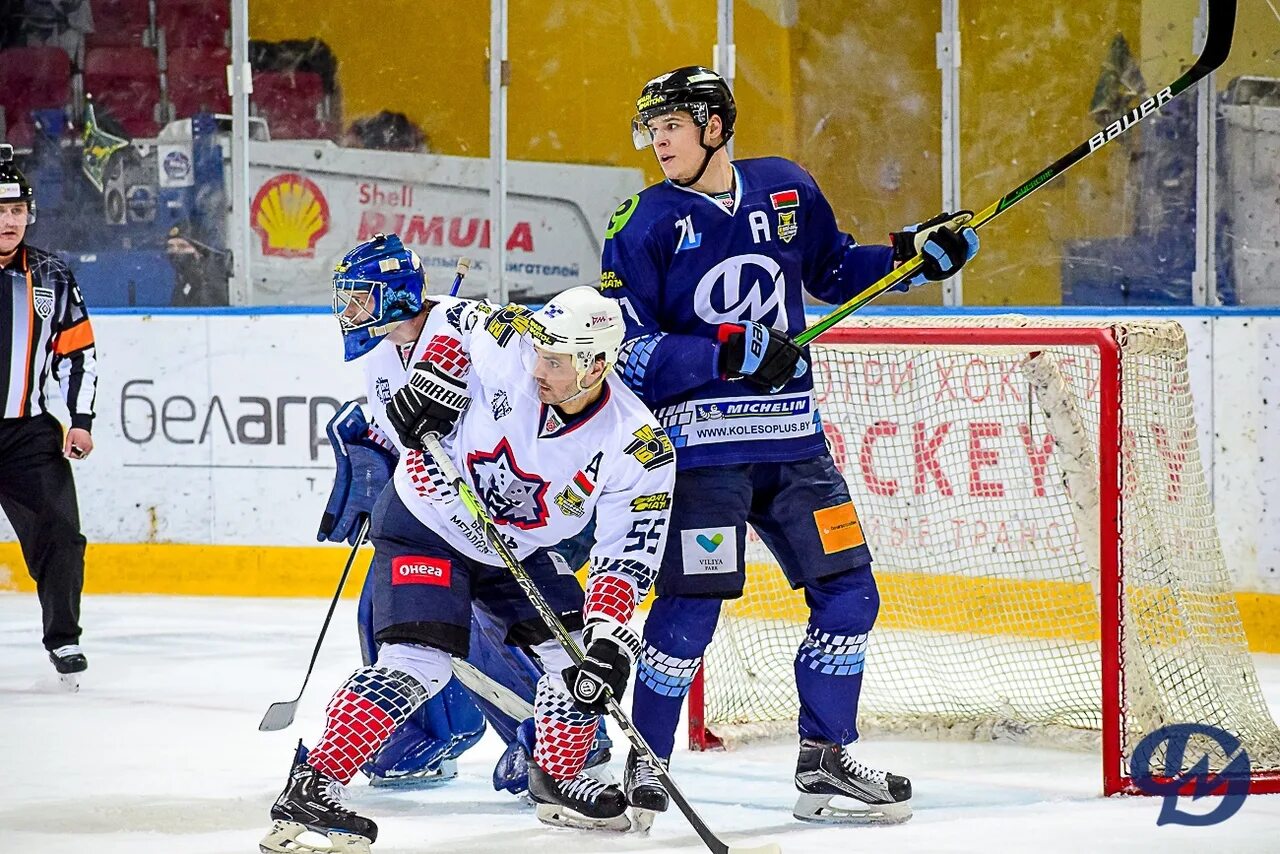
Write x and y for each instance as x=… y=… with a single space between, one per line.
x=159 y=753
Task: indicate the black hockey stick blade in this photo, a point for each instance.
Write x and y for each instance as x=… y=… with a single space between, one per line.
x=280 y=715
x=1217 y=44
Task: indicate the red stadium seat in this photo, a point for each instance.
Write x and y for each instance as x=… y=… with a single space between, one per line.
x=35 y=78
x=293 y=104
x=119 y=23
x=193 y=23
x=125 y=82
x=198 y=80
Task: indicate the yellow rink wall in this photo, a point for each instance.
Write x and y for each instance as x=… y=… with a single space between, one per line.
x=965 y=604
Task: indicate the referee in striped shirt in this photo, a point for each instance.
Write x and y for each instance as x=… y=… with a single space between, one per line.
x=44 y=328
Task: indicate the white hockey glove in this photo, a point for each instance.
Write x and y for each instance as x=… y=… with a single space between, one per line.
x=612 y=649
x=431 y=401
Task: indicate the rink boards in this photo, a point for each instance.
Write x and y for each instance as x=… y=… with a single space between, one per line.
x=212 y=469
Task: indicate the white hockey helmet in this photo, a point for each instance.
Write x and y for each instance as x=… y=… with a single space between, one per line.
x=580 y=322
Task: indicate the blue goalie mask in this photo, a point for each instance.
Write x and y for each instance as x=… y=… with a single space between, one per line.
x=376 y=287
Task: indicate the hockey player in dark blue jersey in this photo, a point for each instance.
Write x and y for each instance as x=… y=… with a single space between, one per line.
x=709 y=266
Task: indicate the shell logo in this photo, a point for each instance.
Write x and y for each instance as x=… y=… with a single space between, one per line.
x=290 y=215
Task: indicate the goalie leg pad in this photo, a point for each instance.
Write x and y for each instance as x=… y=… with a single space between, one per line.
x=675 y=636
x=509 y=666
x=368 y=707
x=829 y=661
x=424 y=750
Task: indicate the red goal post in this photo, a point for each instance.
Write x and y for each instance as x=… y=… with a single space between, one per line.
x=1044 y=542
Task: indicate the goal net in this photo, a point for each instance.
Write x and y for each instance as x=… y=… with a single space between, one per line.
x=1044 y=543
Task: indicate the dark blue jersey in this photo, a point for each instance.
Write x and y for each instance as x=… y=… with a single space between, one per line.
x=682 y=264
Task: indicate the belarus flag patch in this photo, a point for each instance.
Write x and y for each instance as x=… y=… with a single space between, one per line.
x=785 y=199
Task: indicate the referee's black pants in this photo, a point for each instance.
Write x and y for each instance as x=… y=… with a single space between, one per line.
x=38 y=496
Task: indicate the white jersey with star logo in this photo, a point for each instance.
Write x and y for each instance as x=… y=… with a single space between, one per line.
x=541 y=478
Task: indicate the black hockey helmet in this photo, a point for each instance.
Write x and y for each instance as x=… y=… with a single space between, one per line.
x=14 y=186
x=693 y=89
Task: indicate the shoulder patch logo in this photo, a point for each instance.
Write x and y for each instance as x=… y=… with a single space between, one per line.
x=618 y=220
x=43 y=299
x=651 y=448
x=508 y=321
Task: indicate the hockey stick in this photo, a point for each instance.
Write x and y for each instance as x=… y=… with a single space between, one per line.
x=464 y=264
x=494 y=537
x=280 y=715
x=1217 y=44
x=503 y=698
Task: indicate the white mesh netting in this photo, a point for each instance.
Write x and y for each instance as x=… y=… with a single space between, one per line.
x=987 y=548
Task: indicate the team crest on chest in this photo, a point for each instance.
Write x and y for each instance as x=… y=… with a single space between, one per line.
x=570 y=503
x=787 y=226
x=43 y=299
x=513 y=496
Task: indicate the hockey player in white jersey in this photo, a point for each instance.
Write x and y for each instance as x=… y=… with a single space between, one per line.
x=547 y=436
x=380 y=299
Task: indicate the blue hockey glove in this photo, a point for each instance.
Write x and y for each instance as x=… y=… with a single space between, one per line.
x=944 y=243
x=764 y=357
x=363 y=469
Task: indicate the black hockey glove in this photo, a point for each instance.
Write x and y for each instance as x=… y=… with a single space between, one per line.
x=764 y=357
x=430 y=402
x=611 y=650
x=944 y=243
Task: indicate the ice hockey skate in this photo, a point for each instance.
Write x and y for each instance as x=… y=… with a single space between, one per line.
x=310 y=803
x=826 y=771
x=582 y=802
x=645 y=792
x=69 y=661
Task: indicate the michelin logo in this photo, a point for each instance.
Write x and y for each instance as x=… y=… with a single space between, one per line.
x=751 y=409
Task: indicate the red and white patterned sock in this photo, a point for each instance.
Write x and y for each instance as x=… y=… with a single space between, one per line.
x=360 y=716
x=564 y=734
